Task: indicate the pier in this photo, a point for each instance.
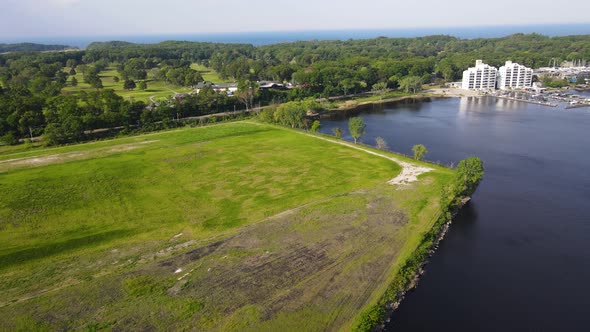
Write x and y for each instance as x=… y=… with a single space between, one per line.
x=536 y=102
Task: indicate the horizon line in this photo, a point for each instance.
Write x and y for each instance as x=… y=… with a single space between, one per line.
x=359 y=30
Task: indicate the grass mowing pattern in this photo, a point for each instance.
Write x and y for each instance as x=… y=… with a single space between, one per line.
x=209 y=74
x=159 y=90
x=83 y=242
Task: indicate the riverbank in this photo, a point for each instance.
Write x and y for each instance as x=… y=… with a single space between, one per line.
x=363 y=102
x=491 y=257
x=354 y=105
x=408 y=275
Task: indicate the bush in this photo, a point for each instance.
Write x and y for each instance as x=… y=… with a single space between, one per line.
x=9 y=139
x=337 y=132
x=315 y=126
x=267 y=115
x=381 y=144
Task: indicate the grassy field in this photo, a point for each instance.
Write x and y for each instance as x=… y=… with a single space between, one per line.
x=209 y=74
x=156 y=89
x=237 y=226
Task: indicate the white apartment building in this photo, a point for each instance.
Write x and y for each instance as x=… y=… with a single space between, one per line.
x=480 y=77
x=514 y=76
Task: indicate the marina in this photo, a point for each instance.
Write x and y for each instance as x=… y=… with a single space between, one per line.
x=553 y=99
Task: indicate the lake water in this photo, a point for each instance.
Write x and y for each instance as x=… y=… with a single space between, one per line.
x=517 y=257
x=273 y=37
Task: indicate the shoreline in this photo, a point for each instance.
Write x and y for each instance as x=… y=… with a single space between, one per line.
x=420 y=96
x=357 y=107
x=407 y=278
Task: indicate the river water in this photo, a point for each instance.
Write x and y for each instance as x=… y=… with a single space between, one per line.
x=517 y=257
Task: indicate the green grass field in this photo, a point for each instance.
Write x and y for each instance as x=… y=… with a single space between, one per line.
x=156 y=89
x=209 y=74
x=237 y=226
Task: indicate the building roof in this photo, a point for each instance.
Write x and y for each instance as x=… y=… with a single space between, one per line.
x=203 y=84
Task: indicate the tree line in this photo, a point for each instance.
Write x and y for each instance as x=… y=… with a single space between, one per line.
x=32 y=82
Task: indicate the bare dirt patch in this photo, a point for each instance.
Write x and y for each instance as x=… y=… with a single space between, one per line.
x=28 y=162
x=334 y=251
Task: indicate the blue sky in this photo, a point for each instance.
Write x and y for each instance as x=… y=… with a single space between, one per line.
x=28 y=18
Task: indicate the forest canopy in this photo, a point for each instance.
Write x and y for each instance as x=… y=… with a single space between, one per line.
x=32 y=95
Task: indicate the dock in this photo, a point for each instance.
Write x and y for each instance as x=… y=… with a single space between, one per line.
x=577 y=106
x=536 y=102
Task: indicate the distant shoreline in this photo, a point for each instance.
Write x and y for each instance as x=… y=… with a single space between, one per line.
x=421 y=96
x=261 y=38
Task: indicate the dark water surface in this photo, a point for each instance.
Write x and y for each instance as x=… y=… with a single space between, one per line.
x=517 y=257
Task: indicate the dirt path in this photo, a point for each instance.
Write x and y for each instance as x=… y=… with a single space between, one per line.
x=175 y=93
x=409 y=171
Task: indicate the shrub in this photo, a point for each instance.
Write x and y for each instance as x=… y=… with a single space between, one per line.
x=381 y=144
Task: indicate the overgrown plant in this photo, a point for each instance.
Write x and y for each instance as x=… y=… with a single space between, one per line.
x=381 y=144
x=337 y=132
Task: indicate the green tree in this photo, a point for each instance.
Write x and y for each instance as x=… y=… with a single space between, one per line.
x=469 y=174
x=356 y=126
x=411 y=84
x=142 y=85
x=315 y=126
x=29 y=120
x=71 y=63
x=247 y=91
x=419 y=151
x=64 y=121
x=134 y=69
x=380 y=89
x=337 y=132
x=346 y=85
x=129 y=84
x=97 y=84
x=74 y=81
x=290 y=114
x=446 y=69
x=9 y=139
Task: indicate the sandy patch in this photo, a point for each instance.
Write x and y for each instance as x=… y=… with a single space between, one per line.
x=409 y=173
x=453 y=92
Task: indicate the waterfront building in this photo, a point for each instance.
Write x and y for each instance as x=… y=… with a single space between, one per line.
x=480 y=77
x=514 y=76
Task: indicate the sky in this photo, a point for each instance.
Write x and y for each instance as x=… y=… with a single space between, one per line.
x=39 y=18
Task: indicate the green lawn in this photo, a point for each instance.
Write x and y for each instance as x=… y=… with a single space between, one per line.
x=238 y=226
x=157 y=89
x=209 y=74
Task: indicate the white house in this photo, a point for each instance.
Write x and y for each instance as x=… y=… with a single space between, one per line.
x=228 y=88
x=480 y=77
x=514 y=76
